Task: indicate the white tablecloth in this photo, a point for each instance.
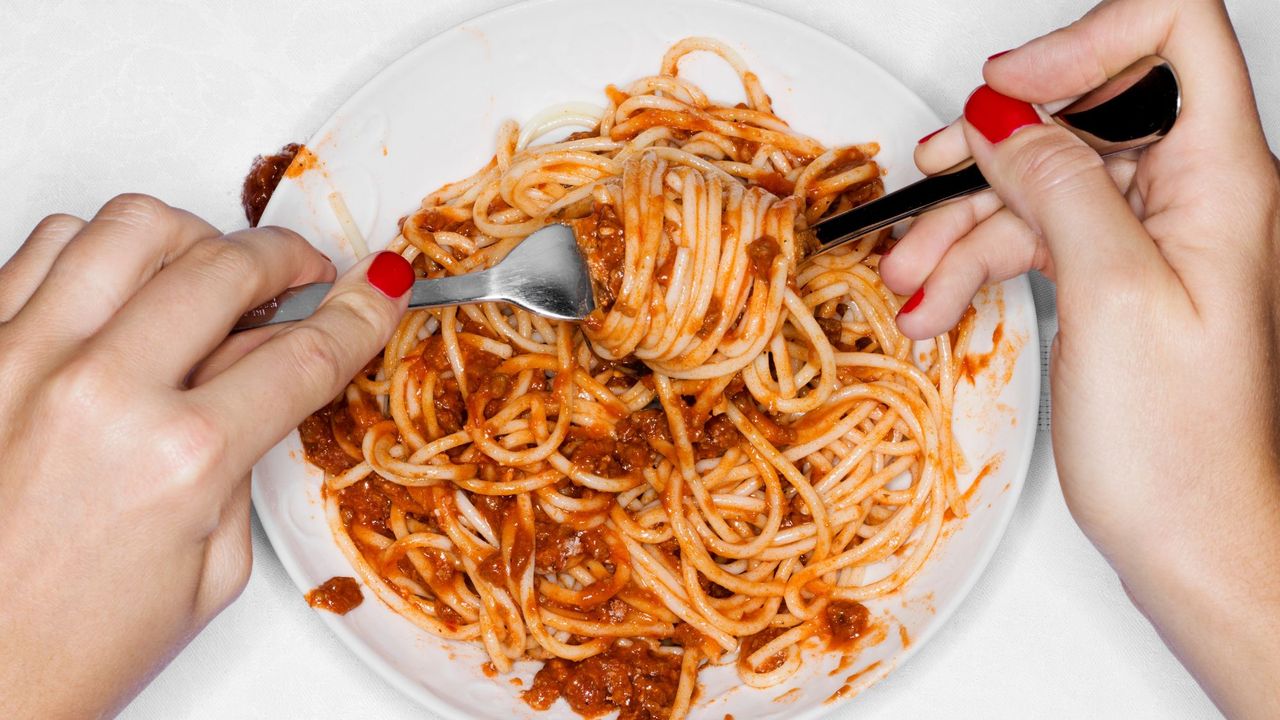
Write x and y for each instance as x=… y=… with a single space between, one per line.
x=174 y=98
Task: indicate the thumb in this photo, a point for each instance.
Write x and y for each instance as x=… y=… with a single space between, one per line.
x=1060 y=187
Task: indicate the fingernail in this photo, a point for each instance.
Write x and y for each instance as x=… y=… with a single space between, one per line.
x=925 y=139
x=888 y=250
x=912 y=303
x=993 y=57
x=998 y=116
x=391 y=274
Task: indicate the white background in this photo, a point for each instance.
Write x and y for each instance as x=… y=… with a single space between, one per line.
x=174 y=99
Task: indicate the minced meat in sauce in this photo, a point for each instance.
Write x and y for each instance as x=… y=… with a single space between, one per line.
x=320 y=446
x=760 y=253
x=843 y=622
x=338 y=595
x=632 y=678
x=751 y=643
x=604 y=245
x=559 y=547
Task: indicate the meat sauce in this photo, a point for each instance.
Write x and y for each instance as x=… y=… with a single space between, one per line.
x=779 y=435
x=559 y=547
x=319 y=443
x=751 y=643
x=601 y=238
x=760 y=253
x=843 y=623
x=775 y=183
x=627 y=450
x=338 y=595
x=631 y=678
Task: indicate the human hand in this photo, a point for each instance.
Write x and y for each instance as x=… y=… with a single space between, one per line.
x=128 y=427
x=1164 y=393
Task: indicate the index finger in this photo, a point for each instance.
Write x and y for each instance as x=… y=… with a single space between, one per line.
x=1195 y=35
x=265 y=394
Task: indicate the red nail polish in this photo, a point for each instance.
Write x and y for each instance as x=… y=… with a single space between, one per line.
x=1002 y=52
x=925 y=139
x=391 y=274
x=998 y=116
x=888 y=250
x=912 y=303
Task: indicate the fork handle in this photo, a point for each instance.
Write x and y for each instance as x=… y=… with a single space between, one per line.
x=292 y=304
x=961 y=180
x=1135 y=108
x=454 y=290
x=302 y=301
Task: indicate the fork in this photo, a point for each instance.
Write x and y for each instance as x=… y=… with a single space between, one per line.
x=545 y=274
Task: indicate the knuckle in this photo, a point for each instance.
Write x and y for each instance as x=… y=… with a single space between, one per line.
x=315 y=356
x=279 y=235
x=1049 y=163
x=80 y=388
x=227 y=260
x=57 y=225
x=373 y=315
x=983 y=266
x=190 y=448
x=135 y=208
x=1083 y=55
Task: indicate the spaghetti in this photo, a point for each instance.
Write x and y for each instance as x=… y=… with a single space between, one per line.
x=731 y=455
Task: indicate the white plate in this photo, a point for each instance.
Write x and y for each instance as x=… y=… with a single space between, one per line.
x=431 y=118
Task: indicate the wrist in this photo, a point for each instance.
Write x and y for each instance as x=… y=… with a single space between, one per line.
x=1212 y=592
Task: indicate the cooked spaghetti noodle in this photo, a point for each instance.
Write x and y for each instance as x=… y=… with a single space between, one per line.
x=726 y=459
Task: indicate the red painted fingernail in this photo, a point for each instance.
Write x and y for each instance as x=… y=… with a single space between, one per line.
x=888 y=250
x=913 y=302
x=998 y=116
x=391 y=274
x=925 y=139
x=993 y=57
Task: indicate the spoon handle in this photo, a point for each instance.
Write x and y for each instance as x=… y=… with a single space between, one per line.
x=1131 y=110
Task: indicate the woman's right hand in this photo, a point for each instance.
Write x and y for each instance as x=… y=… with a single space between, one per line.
x=128 y=426
x=1165 y=397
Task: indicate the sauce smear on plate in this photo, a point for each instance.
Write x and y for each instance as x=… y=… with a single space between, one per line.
x=264 y=175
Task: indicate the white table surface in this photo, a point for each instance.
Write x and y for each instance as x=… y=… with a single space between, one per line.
x=174 y=98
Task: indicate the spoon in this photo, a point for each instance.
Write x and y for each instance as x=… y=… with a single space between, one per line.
x=1131 y=110
x=546 y=273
